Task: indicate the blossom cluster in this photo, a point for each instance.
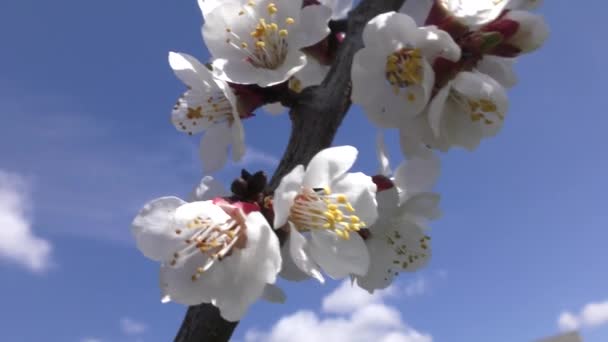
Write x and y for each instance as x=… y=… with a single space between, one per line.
x=437 y=71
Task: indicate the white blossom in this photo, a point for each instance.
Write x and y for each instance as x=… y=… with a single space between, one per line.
x=324 y=207
x=209 y=106
x=392 y=75
x=468 y=109
x=210 y=253
x=260 y=41
x=398 y=242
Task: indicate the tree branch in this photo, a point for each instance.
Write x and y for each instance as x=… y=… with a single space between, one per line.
x=320 y=110
x=316 y=115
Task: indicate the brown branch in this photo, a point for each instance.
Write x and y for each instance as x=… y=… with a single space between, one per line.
x=316 y=115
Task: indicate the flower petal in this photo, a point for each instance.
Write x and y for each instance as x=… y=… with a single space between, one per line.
x=190 y=71
x=339 y=257
x=385 y=167
x=312 y=26
x=394 y=246
x=284 y=195
x=499 y=68
x=328 y=165
x=437 y=43
x=248 y=270
x=532 y=32
x=214 y=147
x=154 y=228
x=436 y=109
x=417 y=175
x=300 y=256
x=422 y=206
x=360 y=191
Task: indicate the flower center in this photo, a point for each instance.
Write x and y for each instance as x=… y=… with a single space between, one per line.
x=267 y=45
x=482 y=110
x=403 y=69
x=215 y=109
x=320 y=209
x=211 y=239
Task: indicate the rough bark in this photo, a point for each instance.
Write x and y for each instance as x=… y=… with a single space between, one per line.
x=316 y=115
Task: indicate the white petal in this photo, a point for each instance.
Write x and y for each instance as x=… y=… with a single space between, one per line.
x=224 y=17
x=248 y=270
x=154 y=228
x=499 y=68
x=394 y=247
x=412 y=146
x=360 y=191
x=369 y=78
x=312 y=27
x=190 y=71
x=383 y=160
x=474 y=86
x=387 y=29
x=238 y=140
x=289 y=269
x=422 y=206
x=214 y=147
x=459 y=129
x=300 y=255
x=284 y=195
x=328 y=165
x=437 y=43
x=176 y=280
x=417 y=175
x=436 y=109
x=339 y=257
x=532 y=32
x=475 y=13
x=388 y=202
x=208 y=189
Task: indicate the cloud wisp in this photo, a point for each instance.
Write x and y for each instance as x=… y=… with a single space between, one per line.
x=18 y=243
x=132 y=327
x=591 y=315
x=348 y=314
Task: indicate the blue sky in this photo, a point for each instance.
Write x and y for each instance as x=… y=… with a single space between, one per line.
x=85 y=95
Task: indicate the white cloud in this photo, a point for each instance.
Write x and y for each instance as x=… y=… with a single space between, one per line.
x=592 y=315
x=90 y=339
x=132 y=327
x=347 y=298
x=18 y=243
x=348 y=314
